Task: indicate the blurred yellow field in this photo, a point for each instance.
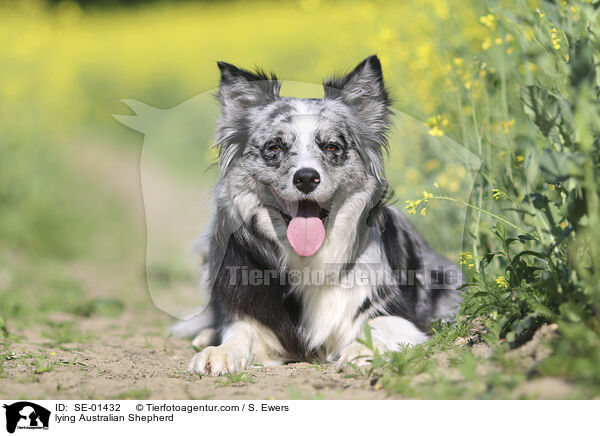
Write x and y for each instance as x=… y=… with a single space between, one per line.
x=72 y=63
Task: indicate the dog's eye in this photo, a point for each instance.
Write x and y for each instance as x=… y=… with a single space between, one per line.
x=332 y=146
x=275 y=145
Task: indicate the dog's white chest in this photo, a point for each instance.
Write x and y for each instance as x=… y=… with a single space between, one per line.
x=329 y=320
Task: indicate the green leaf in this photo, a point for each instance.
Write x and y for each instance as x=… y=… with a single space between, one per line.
x=575 y=205
x=572 y=312
x=377 y=362
x=538 y=201
x=558 y=166
x=582 y=62
x=544 y=311
x=541 y=107
x=541 y=256
x=368 y=340
x=525 y=238
x=500 y=231
x=487 y=259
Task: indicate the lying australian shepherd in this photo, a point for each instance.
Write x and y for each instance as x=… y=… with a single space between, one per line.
x=303 y=250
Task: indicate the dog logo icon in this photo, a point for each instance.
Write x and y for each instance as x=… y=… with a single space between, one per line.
x=26 y=415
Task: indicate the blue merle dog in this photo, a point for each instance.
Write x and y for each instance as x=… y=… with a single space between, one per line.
x=303 y=251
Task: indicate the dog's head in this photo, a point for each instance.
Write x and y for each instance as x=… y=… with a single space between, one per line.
x=299 y=155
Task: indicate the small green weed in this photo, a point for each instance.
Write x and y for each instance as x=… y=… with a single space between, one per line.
x=65 y=333
x=235 y=378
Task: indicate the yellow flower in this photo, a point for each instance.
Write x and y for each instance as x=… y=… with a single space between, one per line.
x=436 y=185
x=532 y=67
x=458 y=62
x=434 y=124
x=436 y=131
x=497 y=194
x=488 y=20
x=53 y=353
x=487 y=43
x=517 y=160
x=465 y=257
x=411 y=206
x=554 y=38
x=501 y=282
x=507 y=125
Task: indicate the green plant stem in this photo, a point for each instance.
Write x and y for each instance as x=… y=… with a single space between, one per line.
x=478 y=139
x=493 y=215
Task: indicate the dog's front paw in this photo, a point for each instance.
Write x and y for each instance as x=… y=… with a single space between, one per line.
x=356 y=354
x=217 y=361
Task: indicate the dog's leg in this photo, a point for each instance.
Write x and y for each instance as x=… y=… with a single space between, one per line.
x=244 y=343
x=388 y=333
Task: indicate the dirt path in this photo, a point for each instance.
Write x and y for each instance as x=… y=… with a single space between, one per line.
x=128 y=355
x=124 y=361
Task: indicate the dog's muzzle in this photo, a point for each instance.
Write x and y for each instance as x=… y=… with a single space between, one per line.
x=304 y=218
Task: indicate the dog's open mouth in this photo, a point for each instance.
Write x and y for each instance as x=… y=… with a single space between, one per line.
x=304 y=218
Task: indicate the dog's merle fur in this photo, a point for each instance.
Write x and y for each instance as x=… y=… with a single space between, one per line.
x=263 y=139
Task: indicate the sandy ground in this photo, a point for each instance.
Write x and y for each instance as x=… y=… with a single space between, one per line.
x=130 y=357
x=125 y=361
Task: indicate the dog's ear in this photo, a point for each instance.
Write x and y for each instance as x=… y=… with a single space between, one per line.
x=362 y=88
x=241 y=88
x=364 y=91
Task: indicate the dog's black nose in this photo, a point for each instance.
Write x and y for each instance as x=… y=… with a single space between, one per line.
x=306 y=180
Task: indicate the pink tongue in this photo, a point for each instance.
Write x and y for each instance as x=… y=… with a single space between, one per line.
x=306 y=235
